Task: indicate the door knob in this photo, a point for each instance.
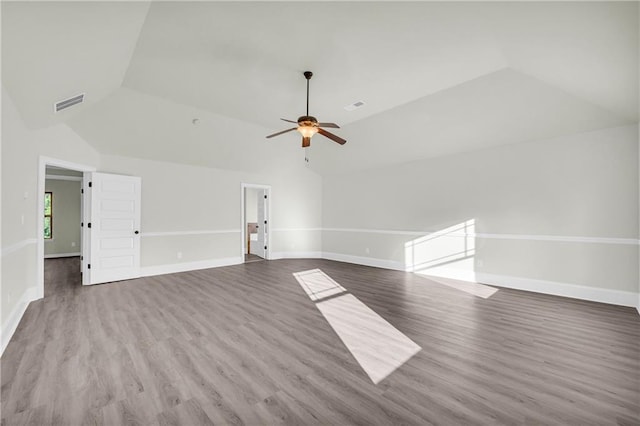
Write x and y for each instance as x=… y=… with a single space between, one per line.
x=137 y=232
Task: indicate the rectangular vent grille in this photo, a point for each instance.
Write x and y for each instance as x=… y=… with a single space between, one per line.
x=59 y=106
x=354 y=105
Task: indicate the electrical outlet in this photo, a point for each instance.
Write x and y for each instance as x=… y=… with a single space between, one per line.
x=73 y=243
x=179 y=254
x=479 y=263
x=366 y=250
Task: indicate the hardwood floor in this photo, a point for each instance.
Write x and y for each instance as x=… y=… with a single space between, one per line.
x=246 y=345
x=252 y=258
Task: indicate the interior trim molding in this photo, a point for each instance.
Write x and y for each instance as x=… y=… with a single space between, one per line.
x=148 y=271
x=380 y=231
x=366 y=261
x=57 y=255
x=574 y=291
x=296 y=229
x=296 y=255
x=18 y=246
x=530 y=237
x=178 y=233
x=9 y=328
x=64 y=177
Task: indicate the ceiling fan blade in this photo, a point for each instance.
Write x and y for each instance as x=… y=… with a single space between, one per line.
x=332 y=136
x=330 y=125
x=306 y=141
x=289 y=121
x=279 y=133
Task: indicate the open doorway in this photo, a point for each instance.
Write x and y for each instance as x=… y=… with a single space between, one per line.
x=255 y=222
x=62 y=231
x=53 y=166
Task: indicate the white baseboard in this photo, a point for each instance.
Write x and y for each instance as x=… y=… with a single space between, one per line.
x=9 y=328
x=148 y=271
x=594 y=294
x=574 y=291
x=367 y=261
x=57 y=255
x=296 y=255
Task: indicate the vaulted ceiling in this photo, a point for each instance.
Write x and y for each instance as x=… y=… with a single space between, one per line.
x=437 y=78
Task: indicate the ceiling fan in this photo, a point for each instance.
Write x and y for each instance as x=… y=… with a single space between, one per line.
x=309 y=126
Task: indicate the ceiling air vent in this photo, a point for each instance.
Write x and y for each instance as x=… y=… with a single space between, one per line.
x=59 y=106
x=354 y=105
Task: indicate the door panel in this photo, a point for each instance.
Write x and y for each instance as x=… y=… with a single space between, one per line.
x=116 y=243
x=114 y=219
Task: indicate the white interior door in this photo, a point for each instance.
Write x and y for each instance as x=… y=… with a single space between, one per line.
x=262 y=226
x=112 y=226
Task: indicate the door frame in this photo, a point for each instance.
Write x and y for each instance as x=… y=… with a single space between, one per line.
x=43 y=162
x=243 y=227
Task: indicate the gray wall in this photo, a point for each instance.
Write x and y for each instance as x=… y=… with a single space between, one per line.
x=21 y=148
x=192 y=214
x=66 y=217
x=191 y=210
x=562 y=210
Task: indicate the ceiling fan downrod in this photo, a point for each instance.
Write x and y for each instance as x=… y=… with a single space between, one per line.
x=308 y=75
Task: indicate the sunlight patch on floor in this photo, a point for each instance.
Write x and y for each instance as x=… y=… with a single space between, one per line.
x=377 y=345
x=317 y=284
x=476 y=289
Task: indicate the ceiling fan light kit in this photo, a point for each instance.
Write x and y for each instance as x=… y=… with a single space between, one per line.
x=309 y=125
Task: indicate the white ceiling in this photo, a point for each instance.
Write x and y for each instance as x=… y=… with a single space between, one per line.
x=134 y=124
x=500 y=108
x=52 y=51
x=245 y=60
x=437 y=78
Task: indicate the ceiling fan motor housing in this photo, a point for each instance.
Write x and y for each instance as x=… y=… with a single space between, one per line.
x=307 y=120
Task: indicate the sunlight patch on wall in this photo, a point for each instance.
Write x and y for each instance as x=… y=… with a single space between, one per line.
x=376 y=345
x=442 y=247
x=447 y=257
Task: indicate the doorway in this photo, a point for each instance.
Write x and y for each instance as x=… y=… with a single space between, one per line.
x=255 y=207
x=62 y=214
x=112 y=205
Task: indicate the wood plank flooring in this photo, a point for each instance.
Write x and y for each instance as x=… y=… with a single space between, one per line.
x=252 y=258
x=245 y=345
